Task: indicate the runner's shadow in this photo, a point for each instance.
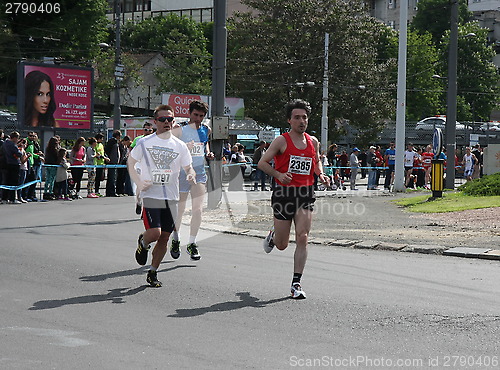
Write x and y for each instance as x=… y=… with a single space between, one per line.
x=246 y=300
x=137 y=271
x=114 y=296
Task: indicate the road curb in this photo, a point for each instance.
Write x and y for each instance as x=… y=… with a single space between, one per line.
x=481 y=253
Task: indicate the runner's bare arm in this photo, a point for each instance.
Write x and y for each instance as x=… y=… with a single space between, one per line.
x=277 y=146
x=190 y=174
x=141 y=185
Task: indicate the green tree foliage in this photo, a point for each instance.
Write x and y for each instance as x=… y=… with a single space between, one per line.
x=433 y=16
x=182 y=42
x=424 y=93
x=284 y=44
x=72 y=35
x=477 y=76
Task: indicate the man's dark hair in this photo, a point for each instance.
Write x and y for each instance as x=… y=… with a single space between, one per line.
x=147 y=124
x=99 y=136
x=117 y=134
x=198 y=105
x=297 y=104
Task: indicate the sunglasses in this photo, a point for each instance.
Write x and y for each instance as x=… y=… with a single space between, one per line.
x=163 y=119
x=148 y=129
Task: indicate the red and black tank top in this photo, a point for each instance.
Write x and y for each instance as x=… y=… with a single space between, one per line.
x=301 y=163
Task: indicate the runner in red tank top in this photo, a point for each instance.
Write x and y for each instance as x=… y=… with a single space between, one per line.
x=296 y=158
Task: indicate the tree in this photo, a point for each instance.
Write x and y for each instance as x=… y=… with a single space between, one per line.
x=183 y=43
x=71 y=33
x=433 y=16
x=477 y=76
x=424 y=93
x=282 y=45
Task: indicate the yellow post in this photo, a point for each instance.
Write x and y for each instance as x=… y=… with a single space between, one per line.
x=437 y=178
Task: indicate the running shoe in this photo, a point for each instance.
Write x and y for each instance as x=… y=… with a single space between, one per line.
x=268 y=241
x=297 y=292
x=141 y=253
x=192 y=249
x=138 y=208
x=175 y=250
x=152 y=279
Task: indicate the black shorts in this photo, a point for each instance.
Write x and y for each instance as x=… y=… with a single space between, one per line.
x=286 y=200
x=159 y=213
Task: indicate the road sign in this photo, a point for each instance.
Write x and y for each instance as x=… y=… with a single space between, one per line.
x=437 y=142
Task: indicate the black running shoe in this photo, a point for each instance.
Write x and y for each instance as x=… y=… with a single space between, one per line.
x=192 y=249
x=175 y=250
x=141 y=253
x=152 y=279
x=138 y=208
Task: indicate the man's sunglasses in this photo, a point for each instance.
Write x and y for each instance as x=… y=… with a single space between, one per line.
x=163 y=119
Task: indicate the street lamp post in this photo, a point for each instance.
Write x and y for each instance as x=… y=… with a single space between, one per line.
x=119 y=71
x=451 y=109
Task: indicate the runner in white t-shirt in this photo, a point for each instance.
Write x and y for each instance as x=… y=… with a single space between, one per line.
x=159 y=158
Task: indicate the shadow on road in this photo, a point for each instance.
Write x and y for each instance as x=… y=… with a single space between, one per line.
x=137 y=271
x=246 y=300
x=114 y=296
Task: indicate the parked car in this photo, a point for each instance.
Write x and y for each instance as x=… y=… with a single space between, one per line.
x=430 y=123
x=249 y=169
x=490 y=126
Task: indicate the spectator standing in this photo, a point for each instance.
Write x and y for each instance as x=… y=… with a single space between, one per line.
x=259 y=174
x=51 y=163
x=123 y=185
x=363 y=163
x=427 y=157
x=22 y=194
x=77 y=160
x=354 y=163
x=372 y=160
x=478 y=167
x=100 y=161
x=13 y=162
x=112 y=151
x=343 y=162
x=235 y=171
x=35 y=164
x=390 y=161
x=90 y=155
x=380 y=164
x=331 y=155
x=62 y=174
x=409 y=158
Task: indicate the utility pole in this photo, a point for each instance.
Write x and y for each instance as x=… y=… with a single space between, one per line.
x=399 y=175
x=119 y=73
x=219 y=123
x=324 y=116
x=451 y=109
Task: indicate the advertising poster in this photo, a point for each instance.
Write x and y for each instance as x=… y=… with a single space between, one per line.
x=233 y=107
x=55 y=96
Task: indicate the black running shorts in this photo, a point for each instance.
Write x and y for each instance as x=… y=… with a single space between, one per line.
x=286 y=200
x=159 y=213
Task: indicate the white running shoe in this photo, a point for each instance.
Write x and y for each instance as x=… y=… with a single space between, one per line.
x=268 y=241
x=297 y=292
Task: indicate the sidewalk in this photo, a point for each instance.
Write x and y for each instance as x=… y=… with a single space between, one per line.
x=368 y=220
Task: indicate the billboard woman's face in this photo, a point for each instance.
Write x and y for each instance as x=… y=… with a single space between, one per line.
x=42 y=98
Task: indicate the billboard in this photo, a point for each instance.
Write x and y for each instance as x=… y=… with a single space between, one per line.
x=58 y=96
x=233 y=107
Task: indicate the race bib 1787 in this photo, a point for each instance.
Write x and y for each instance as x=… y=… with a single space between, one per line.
x=161 y=176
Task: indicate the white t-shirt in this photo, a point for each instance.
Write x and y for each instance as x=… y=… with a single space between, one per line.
x=409 y=157
x=159 y=161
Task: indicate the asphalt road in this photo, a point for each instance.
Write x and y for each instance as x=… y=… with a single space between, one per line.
x=72 y=296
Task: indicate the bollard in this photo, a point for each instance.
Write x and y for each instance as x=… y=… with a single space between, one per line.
x=437 y=178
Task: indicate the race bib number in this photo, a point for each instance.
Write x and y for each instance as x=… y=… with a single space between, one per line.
x=161 y=176
x=197 y=150
x=300 y=165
